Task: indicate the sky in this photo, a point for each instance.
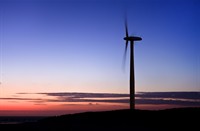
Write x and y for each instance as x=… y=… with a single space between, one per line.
x=55 y=46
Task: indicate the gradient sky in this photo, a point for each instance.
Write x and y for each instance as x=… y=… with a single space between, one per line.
x=77 y=46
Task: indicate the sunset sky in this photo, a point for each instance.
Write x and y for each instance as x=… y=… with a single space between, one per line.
x=60 y=46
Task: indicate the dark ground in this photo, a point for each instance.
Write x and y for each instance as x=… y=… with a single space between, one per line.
x=120 y=120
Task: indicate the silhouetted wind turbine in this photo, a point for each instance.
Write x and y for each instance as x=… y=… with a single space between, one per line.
x=132 y=74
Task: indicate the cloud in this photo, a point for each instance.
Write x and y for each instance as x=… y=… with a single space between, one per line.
x=176 y=95
x=156 y=98
x=169 y=102
x=85 y=95
x=18 y=98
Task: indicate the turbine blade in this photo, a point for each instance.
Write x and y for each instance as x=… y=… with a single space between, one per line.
x=126 y=27
x=124 y=57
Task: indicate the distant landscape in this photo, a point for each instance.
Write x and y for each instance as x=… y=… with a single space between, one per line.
x=118 y=120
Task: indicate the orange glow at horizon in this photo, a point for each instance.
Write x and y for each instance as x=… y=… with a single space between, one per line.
x=50 y=109
x=61 y=108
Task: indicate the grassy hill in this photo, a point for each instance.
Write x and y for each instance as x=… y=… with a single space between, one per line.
x=119 y=120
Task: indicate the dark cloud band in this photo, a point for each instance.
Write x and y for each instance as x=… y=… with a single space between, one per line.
x=156 y=98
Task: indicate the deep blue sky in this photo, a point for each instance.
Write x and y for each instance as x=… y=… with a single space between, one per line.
x=78 y=45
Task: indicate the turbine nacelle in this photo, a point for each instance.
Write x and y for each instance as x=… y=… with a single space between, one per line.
x=132 y=38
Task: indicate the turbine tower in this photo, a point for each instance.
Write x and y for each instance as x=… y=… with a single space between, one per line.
x=131 y=39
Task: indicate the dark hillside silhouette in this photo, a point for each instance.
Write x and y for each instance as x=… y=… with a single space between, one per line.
x=119 y=120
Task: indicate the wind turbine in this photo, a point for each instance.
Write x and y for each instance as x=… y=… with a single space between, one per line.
x=131 y=39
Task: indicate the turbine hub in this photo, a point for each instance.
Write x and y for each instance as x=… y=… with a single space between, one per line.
x=132 y=38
